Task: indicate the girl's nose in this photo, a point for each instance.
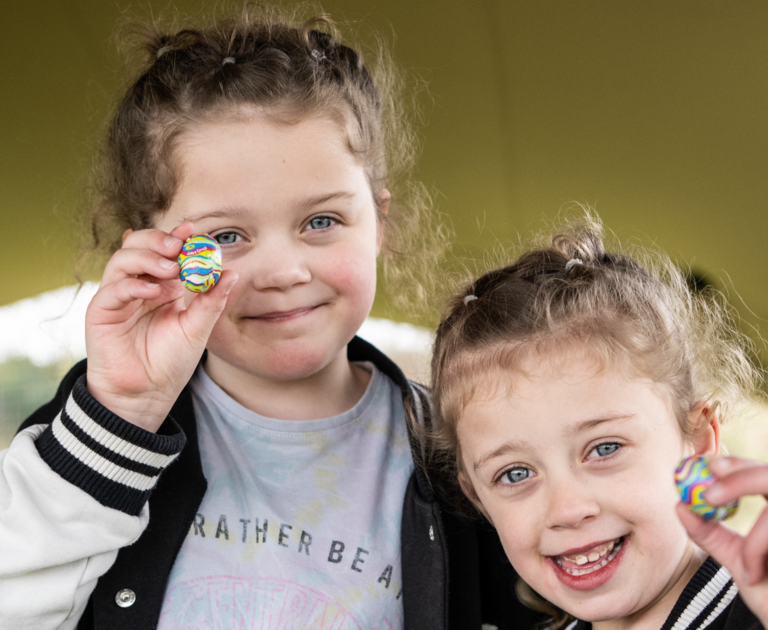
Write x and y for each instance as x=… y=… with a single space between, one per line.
x=279 y=265
x=570 y=504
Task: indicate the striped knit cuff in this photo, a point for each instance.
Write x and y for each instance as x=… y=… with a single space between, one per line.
x=114 y=461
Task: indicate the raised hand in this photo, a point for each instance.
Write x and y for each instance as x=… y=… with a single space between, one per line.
x=143 y=340
x=745 y=557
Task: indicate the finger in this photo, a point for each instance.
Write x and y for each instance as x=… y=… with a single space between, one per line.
x=129 y=263
x=204 y=310
x=117 y=295
x=184 y=230
x=744 y=481
x=723 y=544
x=755 y=551
x=163 y=243
x=723 y=466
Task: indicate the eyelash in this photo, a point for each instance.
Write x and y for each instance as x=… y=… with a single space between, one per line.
x=220 y=234
x=500 y=479
x=333 y=221
x=322 y=217
x=609 y=455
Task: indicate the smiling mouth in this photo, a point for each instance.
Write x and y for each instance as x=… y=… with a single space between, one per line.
x=590 y=560
x=278 y=316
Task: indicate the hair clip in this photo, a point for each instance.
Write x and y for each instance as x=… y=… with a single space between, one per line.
x=469 y=298
x=317 y=55
x=572 y=262
x=227 y=60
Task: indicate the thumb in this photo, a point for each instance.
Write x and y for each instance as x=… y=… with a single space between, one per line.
x=204 y=310
x=723 y=544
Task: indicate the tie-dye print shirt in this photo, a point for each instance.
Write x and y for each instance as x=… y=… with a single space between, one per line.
x=300 y=525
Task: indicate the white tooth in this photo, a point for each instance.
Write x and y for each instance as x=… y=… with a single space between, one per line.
x=610 y=545
x=594 y=556
x=581 y=560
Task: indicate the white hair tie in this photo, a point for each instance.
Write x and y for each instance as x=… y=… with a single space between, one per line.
x=227 y=60
x=469 y=298
x=572 y=262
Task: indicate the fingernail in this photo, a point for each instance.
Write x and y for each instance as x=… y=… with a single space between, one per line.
x=171 y=240
x=721 y=466
x=168 y=264
x=151 y=285
x=228 y=288
x=714 y=493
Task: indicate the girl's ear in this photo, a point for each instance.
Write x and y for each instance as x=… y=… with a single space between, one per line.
x=469 y=492
x=705 y=428
x=385 y=196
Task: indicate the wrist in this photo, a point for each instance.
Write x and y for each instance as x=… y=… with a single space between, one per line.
x=147 y=410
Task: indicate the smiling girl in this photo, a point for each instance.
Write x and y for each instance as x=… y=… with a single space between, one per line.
x=570 y=384
x=240 y=459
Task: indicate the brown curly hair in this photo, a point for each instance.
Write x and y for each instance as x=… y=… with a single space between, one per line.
x=288 y=65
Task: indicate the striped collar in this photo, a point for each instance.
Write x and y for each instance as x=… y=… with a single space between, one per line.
x=710 y=591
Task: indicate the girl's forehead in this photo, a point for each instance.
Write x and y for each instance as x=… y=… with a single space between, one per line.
x=245 y=126
x=566 y=387
x=543 y=410
x=230 y=156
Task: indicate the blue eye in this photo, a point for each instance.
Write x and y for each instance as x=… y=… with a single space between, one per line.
x=320 y=223
x=226 y=238
x=603 y=450
x=516 y=475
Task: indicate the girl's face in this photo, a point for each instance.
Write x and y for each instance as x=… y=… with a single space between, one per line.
x=574 y=467
x=295 y=217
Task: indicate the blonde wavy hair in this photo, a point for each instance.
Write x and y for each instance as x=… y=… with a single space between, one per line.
x=635 y=309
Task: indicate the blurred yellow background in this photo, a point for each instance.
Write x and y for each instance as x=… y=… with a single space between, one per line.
x=654 y=112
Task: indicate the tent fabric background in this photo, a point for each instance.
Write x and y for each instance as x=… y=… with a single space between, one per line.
x=655 y=113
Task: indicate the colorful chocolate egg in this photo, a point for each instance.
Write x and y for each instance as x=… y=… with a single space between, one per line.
x=200 y=262
x=692 y=477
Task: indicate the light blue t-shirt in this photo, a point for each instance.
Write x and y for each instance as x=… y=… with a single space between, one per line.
x=300 y=526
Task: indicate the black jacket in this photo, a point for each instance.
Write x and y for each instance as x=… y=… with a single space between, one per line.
x=710 y=600
x=455 y=573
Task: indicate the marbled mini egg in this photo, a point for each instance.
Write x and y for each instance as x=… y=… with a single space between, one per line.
x=692 y=477
x=200 y=262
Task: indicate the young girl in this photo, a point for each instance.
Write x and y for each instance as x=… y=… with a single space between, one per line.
x=570 y=384
x=240 y=459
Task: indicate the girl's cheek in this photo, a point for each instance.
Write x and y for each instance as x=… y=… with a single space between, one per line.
x=351 y=271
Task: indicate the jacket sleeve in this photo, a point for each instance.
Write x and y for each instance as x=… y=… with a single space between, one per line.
x=72 y=493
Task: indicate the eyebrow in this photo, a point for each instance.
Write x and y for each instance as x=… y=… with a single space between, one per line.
x=507 y=447
x=304 y=204
x=311 y=202
x=520 y=445
x=580 y=427
x=224 y=213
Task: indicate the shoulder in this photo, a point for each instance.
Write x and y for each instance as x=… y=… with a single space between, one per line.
x=738 y=617
x=711 y=599
x=416 y=398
